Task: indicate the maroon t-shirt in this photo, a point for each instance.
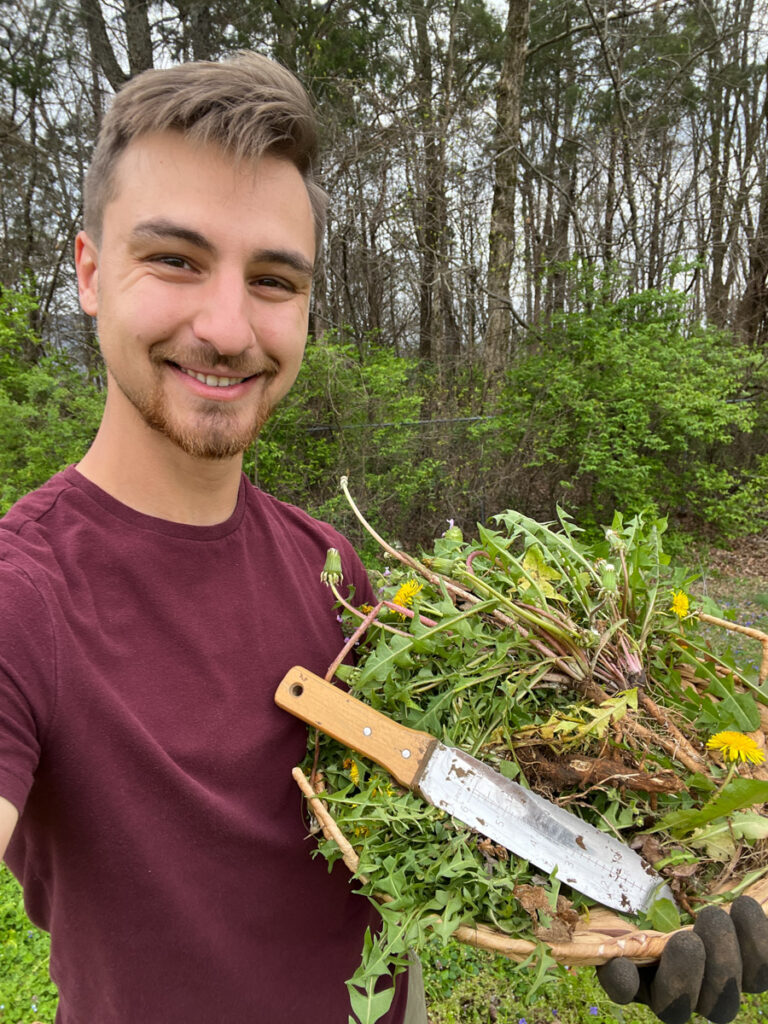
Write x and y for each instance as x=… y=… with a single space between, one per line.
x=161 y=839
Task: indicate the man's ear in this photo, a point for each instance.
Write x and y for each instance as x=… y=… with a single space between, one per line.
x=87 y=267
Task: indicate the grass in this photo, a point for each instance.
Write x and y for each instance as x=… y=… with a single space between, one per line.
x=464 y=985
x=26 y=992
x=743 y=599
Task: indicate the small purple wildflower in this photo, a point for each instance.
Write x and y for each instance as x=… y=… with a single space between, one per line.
x=522 y=1021
x=593 y=1010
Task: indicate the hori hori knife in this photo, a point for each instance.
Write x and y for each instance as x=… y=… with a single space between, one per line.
x=590 y=861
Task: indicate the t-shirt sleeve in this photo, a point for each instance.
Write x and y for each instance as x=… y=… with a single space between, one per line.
x=27 y=669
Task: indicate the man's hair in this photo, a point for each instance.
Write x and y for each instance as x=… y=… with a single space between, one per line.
x=248 y=105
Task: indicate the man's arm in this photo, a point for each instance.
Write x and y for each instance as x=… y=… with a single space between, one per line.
x=8 y=818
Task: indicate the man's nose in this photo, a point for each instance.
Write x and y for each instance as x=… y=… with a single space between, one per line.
x=223 y=318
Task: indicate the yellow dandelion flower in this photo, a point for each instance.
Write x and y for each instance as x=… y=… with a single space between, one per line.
x=354 y=771
x=361 y=831
x=680 y=603
x=405 y=595
x=737 y=746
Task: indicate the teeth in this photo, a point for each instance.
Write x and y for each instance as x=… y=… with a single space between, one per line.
x=211 y=381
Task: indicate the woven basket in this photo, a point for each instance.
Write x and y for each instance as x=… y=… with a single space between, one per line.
x=601 y=935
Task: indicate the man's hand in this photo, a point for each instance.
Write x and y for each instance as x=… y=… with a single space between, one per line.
x=703 y=971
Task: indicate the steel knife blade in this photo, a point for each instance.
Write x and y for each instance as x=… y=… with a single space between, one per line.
x=590 y=861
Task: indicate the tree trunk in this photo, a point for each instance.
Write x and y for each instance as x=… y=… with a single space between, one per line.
x=752 y=314
x=506 y=146
x=101 y=48
x=137 y=36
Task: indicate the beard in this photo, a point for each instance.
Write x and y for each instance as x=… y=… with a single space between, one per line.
x=219 y=432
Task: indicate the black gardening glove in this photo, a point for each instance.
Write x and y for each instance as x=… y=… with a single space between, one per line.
x=703 y=971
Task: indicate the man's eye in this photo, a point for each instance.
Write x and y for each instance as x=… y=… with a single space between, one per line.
x=270 y=282
x=177 y=262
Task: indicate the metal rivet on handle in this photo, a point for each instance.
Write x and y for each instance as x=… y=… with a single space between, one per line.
x=405 y=753
x=367 y=731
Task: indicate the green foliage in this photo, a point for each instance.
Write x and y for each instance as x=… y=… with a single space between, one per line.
x=26 y=991
x=623 y=404
x=471 y=986
x=49 y=412
x=352 y=411
x=619 y=405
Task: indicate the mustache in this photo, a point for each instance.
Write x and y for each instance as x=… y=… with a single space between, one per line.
x=205 y=357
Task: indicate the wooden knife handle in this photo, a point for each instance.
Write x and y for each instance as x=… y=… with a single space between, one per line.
x=400 y=750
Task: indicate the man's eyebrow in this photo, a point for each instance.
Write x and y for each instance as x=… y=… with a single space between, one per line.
x=288 y=257
x=162 y=228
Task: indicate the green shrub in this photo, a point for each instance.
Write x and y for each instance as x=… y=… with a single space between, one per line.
x=624 y=404
x=352 y=412
x=621 y=404
x=49 y=411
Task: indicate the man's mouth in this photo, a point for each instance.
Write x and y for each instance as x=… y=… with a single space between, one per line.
x=212 y=380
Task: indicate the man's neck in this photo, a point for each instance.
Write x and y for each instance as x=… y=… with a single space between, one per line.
x=160 y=480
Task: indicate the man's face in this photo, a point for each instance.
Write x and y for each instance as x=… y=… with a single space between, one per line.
x=201 y=287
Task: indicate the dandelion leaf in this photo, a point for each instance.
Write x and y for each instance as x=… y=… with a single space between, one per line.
x=734 y=710
x=663 y=916
x=738 y=794
x=539 y=575
x=719 y=840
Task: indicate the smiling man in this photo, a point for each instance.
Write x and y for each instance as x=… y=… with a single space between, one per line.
x=151 y=598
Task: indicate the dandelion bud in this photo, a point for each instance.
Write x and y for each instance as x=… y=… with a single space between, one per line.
x=609 y=580
x=332 y=574
x=453 y=532
x=443 y=565
x=614 y=539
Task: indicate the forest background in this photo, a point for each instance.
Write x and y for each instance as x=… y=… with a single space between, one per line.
x=545 y=274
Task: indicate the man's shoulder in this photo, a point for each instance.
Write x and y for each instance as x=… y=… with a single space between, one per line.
x=32 y=533
x=24 y=590
x=303 y=538
x=291 y=518
x=35 y=506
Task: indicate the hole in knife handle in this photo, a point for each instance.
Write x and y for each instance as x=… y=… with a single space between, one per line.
x=296 y=690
